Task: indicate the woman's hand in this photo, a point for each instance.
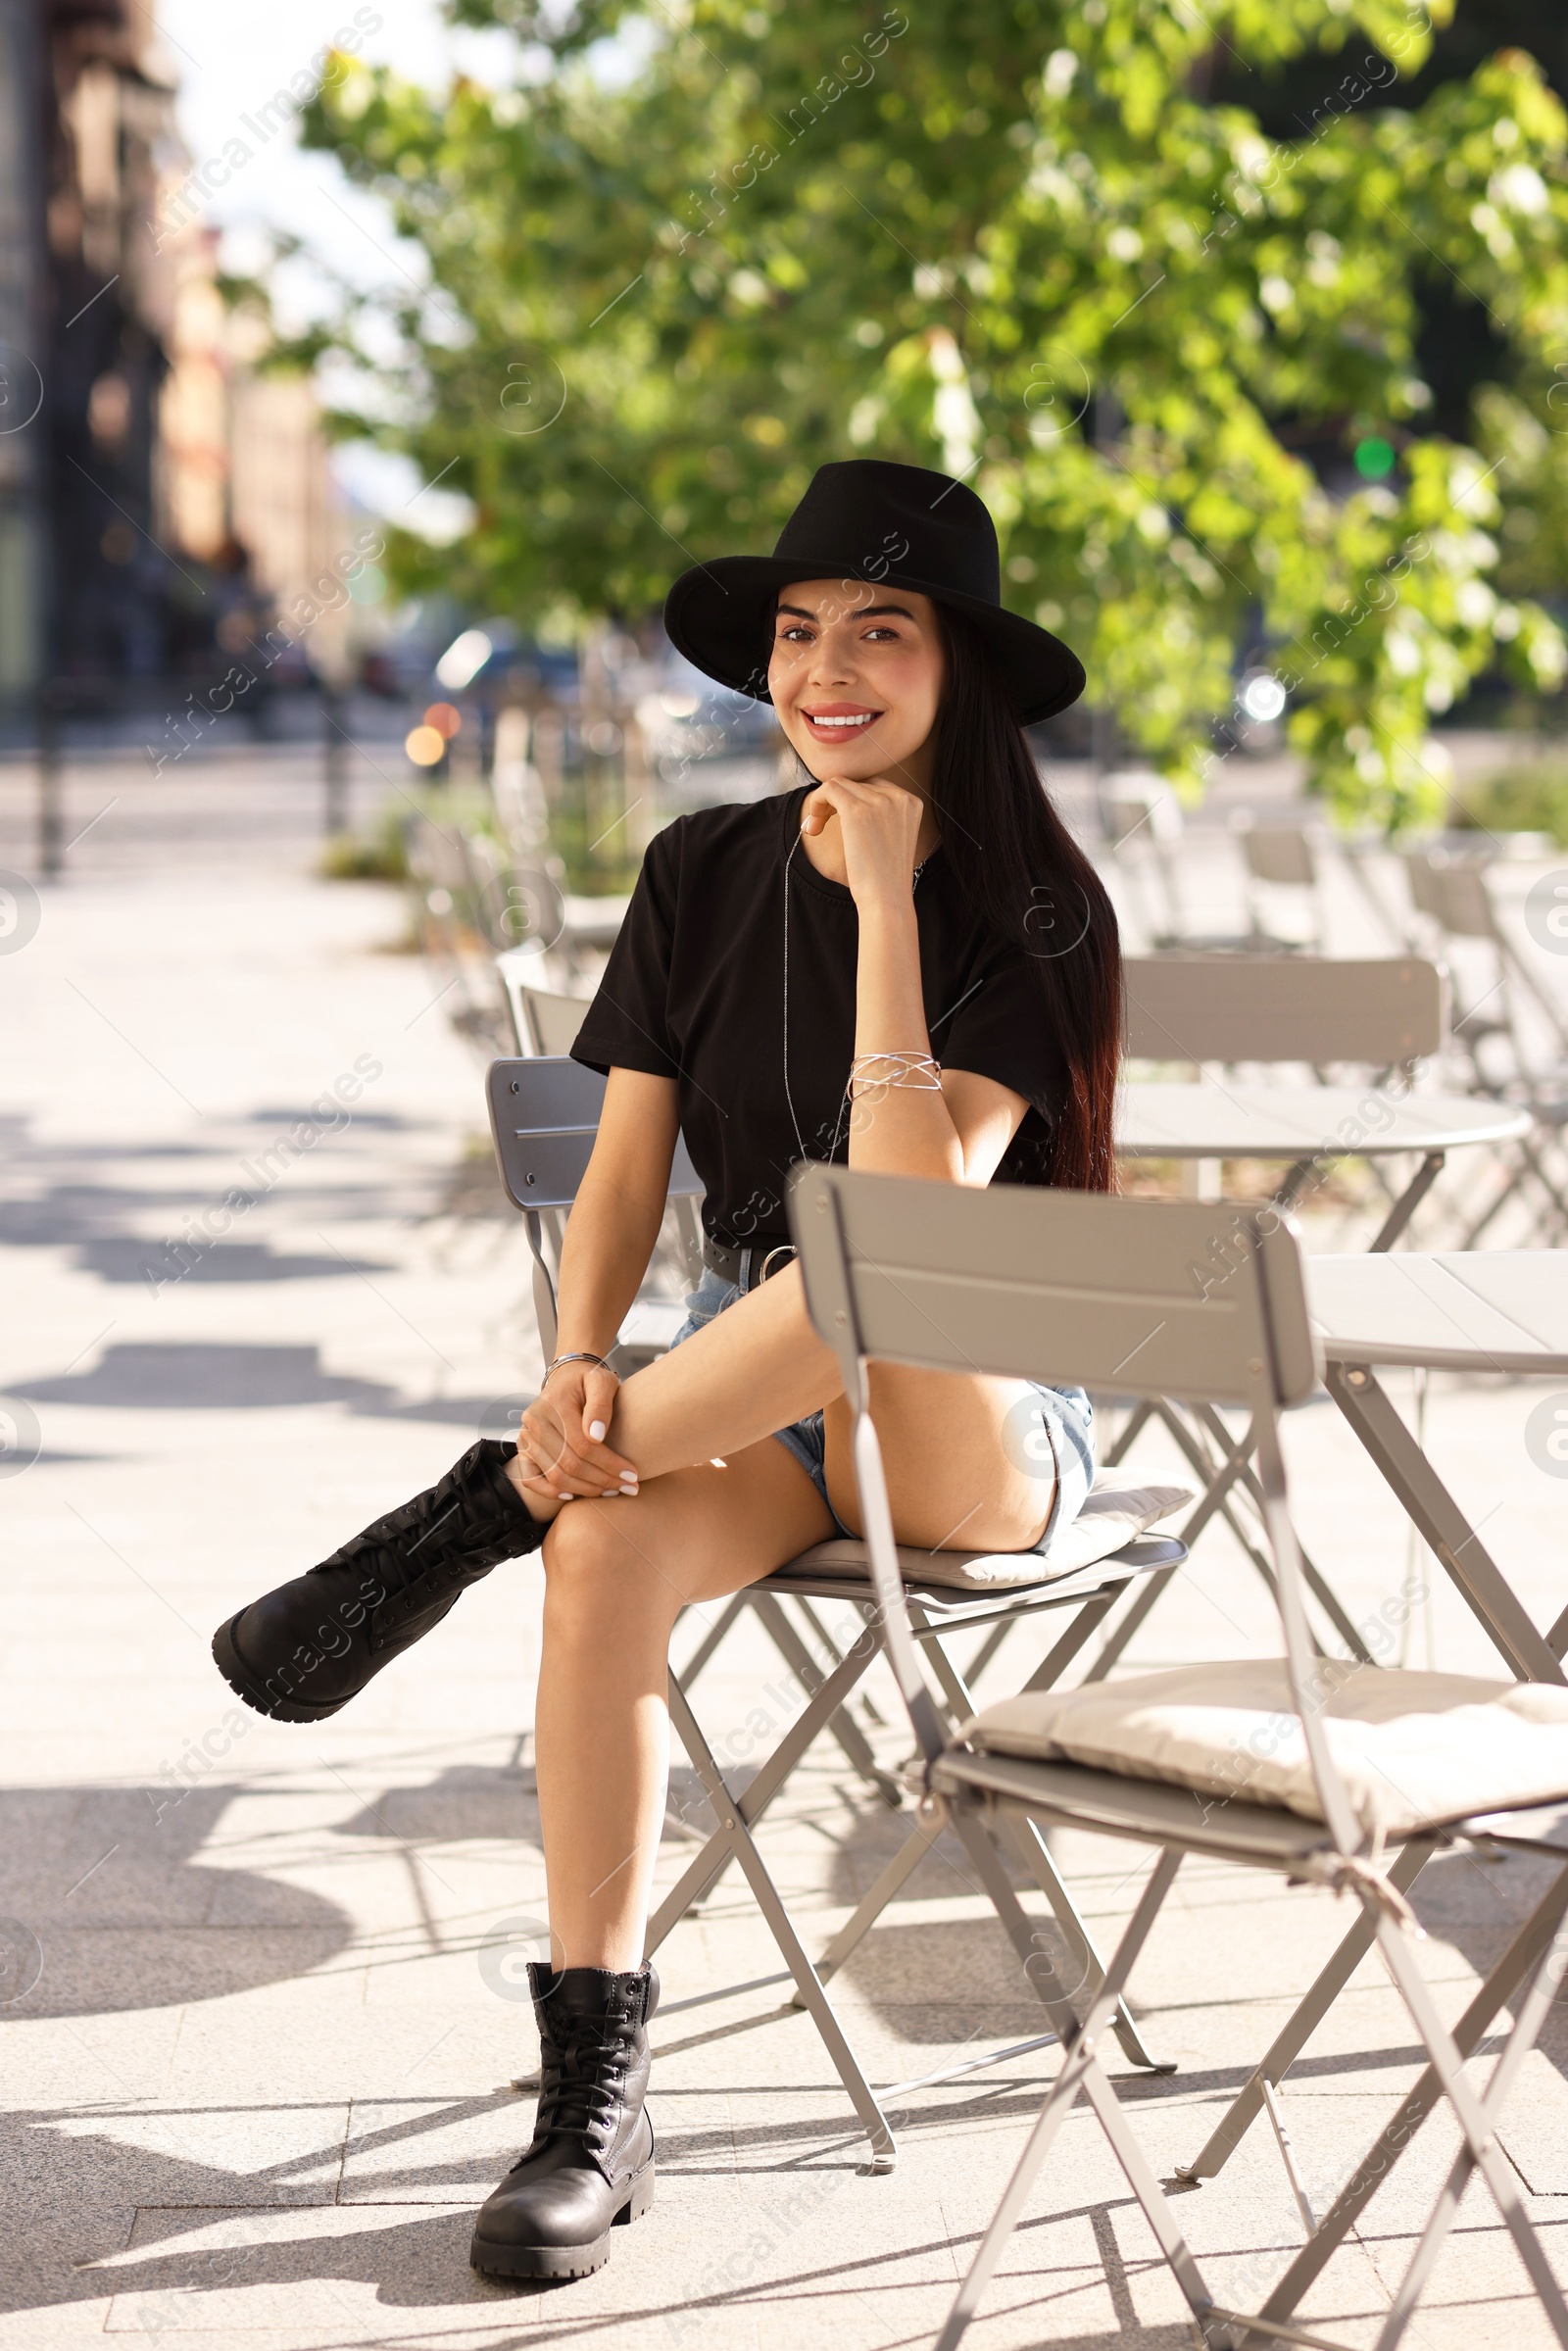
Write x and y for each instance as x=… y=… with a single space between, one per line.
x=879 y=828
x=561 y=1435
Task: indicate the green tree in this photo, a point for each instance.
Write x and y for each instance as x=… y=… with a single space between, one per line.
x=1011 y=238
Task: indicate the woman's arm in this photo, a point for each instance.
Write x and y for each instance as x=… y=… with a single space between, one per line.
x=610 y=1237
x=960 y=1131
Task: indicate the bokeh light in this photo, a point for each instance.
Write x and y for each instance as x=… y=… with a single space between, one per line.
x=446 y=719
x=1263 y=697
x=424 y=744
x=1375 y=458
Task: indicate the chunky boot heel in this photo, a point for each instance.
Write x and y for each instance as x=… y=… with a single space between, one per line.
x=638 y=2202
x=307 y=1648
x=590 y=2168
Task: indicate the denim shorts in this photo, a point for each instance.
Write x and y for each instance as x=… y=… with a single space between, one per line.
x=1058 y=1434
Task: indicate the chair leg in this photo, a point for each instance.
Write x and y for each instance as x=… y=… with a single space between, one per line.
x=892 y=1880
x=742 y=1847
x=709 y=1643
x=843 y=1726
x=1036 y=1856
x=717 y=1856
x=1229 y=1468
x=1477 y=2114
x=1534 y=1940
x=1081 y=2073
x=1532 y=2016
x=1032 y=1848
x=1137 y=1421
x=1287 y=2044
x=1327 y=1598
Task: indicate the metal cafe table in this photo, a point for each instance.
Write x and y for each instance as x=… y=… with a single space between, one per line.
x=1484 y=1310
x=1305 y=1126
x=1308 y=1125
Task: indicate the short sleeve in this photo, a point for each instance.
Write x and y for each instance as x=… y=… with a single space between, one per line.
x=628 y=1025
x=1003 y=1029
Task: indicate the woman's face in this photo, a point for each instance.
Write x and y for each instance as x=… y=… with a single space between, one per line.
x=856 y=674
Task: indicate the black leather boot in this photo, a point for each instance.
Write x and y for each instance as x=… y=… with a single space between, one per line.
x=308 y=1647
x=591 y=2166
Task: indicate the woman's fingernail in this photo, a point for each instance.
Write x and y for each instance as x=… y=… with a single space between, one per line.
x=628 y=1485
x=567 y=1497
x=596 y=1430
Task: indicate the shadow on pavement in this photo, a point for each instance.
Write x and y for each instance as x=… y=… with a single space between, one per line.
x=225 y=1376
x=109 y=1906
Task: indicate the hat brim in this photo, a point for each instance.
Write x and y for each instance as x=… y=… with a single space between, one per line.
x=717 y=616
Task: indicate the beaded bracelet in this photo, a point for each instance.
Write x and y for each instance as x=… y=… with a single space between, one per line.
x=875 y=1073
x=581 y=1356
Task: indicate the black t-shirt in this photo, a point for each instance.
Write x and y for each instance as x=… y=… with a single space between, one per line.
x=694 y=991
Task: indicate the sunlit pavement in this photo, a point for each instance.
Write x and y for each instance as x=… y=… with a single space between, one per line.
x=258 y=2044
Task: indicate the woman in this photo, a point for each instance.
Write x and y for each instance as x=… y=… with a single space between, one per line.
x=905 y=961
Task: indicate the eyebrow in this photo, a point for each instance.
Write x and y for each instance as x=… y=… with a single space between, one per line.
x=867 y=611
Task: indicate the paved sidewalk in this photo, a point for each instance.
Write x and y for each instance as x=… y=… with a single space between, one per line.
x=257 y=2052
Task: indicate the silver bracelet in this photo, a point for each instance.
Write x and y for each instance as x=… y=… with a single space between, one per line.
x=581 y=1356
x=875 y=1073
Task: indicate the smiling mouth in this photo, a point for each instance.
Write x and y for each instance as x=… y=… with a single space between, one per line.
x=842 y=724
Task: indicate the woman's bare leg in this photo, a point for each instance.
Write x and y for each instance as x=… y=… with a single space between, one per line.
x=955 y=1481
x=616 y=1576
x=618 y=1572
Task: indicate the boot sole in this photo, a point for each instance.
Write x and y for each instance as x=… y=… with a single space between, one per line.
x=563 y=2261
x=245 y=1685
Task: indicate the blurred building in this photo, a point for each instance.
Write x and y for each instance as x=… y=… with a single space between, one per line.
x=156 y=494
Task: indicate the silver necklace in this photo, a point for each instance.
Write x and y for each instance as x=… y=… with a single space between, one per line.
x=789 y=1098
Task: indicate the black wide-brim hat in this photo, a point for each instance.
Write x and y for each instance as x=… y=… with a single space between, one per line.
x=897 y=527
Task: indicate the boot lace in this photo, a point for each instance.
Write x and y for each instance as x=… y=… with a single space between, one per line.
x=469 y=1521
x=582 y=2077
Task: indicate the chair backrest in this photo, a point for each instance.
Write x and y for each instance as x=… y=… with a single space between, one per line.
x=1130 y=1297
x=1281 y=853
x=544 y=1024
x=1283 y=1008
x=1462 y=902
x=553 y=1020
x=1141 y=1297
x=544 y=1115
x=1421 y=871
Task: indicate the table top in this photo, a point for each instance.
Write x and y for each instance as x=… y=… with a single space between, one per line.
x=1217 y=1121
x=1482 y=1310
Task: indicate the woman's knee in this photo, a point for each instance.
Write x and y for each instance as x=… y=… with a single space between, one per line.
x=594 y=1572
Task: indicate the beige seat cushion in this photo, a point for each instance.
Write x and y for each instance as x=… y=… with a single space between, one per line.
x=1412 y=1748
x=1115 y=1510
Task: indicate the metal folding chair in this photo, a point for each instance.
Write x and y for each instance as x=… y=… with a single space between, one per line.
x=1383 y=1016
x=544 y=1115
x=544 y=1024
x=452 y=927
x=1143 y=822
x=1282 y=857
x=840 y=1571
x=1505 y=1059
x=924 y=1274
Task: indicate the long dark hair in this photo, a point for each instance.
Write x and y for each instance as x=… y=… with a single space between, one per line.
x=1023 y=873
